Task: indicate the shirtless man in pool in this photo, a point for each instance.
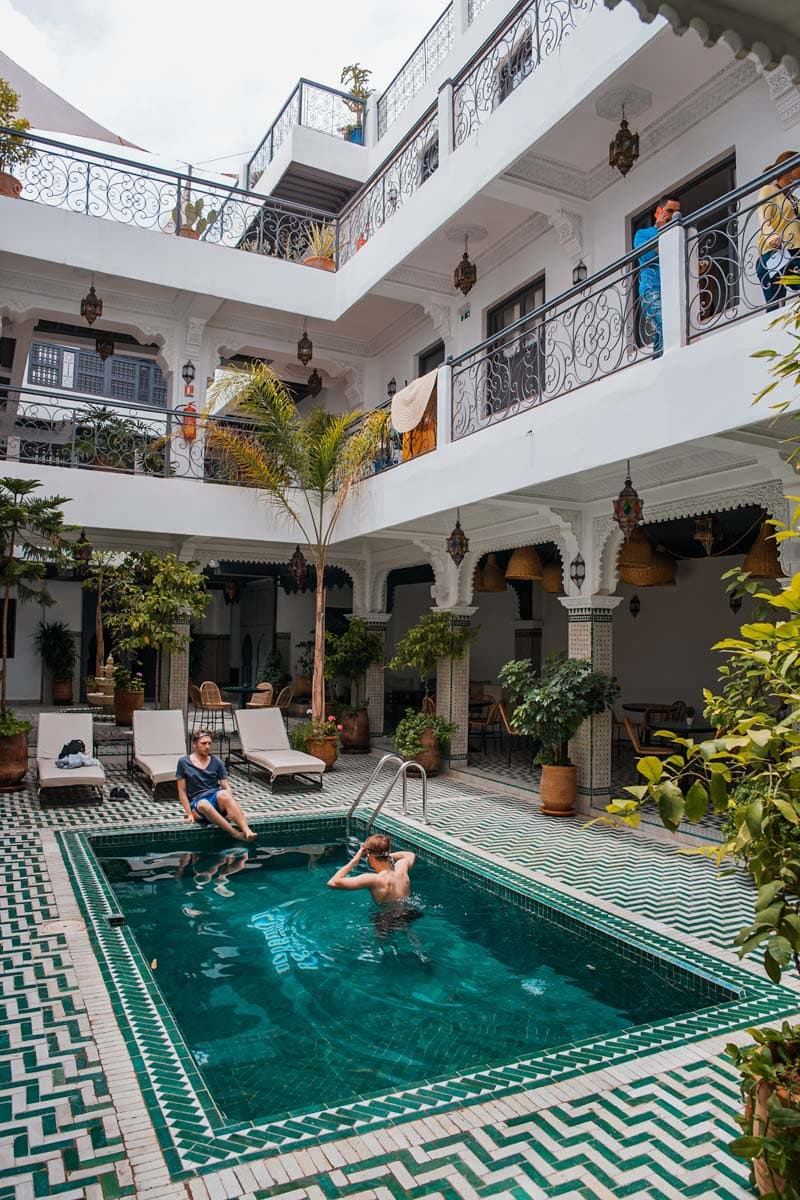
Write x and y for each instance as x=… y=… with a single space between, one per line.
x=390 y=881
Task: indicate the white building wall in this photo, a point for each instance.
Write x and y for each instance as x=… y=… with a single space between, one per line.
x=25 y=668
x=296 y=615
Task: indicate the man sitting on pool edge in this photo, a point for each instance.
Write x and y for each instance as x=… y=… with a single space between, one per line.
x=204 y=791
x=390 y=881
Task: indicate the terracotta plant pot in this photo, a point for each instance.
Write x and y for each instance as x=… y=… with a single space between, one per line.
x=62 y=691
x=302 y=687
x=322 y=264
x=558 y=791
x=13 y=761
x=326 y=750
x=185 y=231
x=125 y=705
x=429 y=757
x=10 y=185
x=355 y=733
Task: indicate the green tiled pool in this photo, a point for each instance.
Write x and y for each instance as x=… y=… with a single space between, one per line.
x=289 y=994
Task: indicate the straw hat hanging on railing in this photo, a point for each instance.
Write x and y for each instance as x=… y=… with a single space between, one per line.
x=761 y=560
x=493 y=580
x=524 y=564
x=552 y=579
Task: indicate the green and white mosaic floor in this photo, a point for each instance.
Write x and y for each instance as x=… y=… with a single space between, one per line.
x=73 y=1120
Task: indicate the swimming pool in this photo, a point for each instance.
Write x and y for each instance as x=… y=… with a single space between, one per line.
x=290 y=994
x=263 y=1011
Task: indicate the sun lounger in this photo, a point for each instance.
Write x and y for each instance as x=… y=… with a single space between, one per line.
x=159 y=740
x=55 y=730
x=265 y=744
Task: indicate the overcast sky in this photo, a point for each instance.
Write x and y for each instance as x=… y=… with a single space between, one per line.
x=195 y=80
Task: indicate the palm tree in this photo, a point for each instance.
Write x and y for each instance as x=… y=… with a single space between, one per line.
x=304 y=466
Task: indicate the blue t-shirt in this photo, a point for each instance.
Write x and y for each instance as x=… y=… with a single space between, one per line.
x=650 y=273
x=201 y=781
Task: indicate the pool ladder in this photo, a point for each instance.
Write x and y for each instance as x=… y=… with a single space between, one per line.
x=403 y=768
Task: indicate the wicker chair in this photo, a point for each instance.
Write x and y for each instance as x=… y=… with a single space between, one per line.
x=678 y=711
x=285 y=698
x=487 y=724
x=511 y=734
x=196 y=703
x=642 y=751
x=262 y=697
x=211 y=702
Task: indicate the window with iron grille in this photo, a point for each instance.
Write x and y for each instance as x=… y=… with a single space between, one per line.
x=120 y=377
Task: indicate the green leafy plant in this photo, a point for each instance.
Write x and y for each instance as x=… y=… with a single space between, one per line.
x=193 y=216
x=303 y=736
x=551 y=708
x=54 y=642
x=305 y=466
x=126 y=680
x=434 y=636
x=106 y=438
x=305 y=659
x=771 y=1130
x=409 y=731
x=321 y=241
x=31 y=535
x=14 y=150
x=153 y=598
x=272 y=670
x=98 y=577
x=351 y=654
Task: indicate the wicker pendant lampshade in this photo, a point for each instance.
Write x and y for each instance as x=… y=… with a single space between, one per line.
x=524 y=564
x=493 y=580
x=761 y=560
x=636 y=559
x=477 y=580
x=552 y=579
x=662 y=572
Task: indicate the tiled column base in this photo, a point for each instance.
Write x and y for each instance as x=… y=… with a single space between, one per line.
x=452 y=690
x=178 y=694
x=375 y=678
x=590 y=637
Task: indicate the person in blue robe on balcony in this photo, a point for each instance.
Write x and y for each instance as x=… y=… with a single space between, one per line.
x=650 y=272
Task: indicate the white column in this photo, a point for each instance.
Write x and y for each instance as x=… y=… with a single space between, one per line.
x=460 y=18
x=445 y=107
x=590 y=636
x=375 y=678
x=452 y=689
x=444 y=405
x=671 y=255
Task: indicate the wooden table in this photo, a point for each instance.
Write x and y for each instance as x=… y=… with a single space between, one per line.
x=699 y=730
x=242 y=691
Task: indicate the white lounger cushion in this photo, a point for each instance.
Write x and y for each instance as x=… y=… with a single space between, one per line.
x=159 y=740
x=286 y=762
x=160 y=768
x=266 y=743
x=54 y=731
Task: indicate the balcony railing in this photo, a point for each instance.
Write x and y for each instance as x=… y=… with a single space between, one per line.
x=397 y=179
x=594 y=330
x=416 y=70
x=533 y=31
x=315 y=106
x=148 y=197
x=742 y=252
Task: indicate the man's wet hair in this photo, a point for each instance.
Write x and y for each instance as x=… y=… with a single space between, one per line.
x=379 y=845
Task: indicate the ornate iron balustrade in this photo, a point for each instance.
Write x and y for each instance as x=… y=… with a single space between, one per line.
x=739 y=251
x=416 y=70
x=316 y=106
x=534 y=31
x=389 y=188
x=594 y=330
x=118 y=189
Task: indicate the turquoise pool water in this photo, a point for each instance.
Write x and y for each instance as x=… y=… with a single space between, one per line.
x=291 y=995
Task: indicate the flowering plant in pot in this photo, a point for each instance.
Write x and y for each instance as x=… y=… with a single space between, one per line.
x=128 y=694
x=319 y=738
x=424 y=738
x=14 y=150
x=321 y=247
x=550 y=709
x=54 y=642
x=351 y=654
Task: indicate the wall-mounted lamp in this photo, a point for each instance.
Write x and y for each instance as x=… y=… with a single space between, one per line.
x=188 y=372
x=635 y=606
x=391 y=388
x=580 y=273
x=577 y=571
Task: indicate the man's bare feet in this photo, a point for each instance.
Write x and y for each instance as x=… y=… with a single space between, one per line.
x=240 y=837
x=250 y=835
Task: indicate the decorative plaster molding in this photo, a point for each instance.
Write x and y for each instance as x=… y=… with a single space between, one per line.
x=512 y=243
x=784 y=92
x=441 y=316
x=569 y=227
x=428 y=281
x=194 y=332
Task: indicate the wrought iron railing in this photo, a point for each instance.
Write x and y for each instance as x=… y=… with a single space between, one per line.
x=533 y=31
x=397 y=179
x=316 y=106
x=149 y=197
x=594 y=330
x=742 y=252
x=416 y=70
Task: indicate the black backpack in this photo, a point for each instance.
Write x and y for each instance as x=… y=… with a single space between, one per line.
x=76 y=746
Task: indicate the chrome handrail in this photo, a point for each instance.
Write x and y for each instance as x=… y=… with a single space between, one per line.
x=400 y=773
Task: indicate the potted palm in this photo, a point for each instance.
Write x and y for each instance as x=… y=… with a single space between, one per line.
x=321 y=247
x=423 y=738
x=31 y=535
x=351 y=654
x=14 y=151
x=357 y=77
x=55 y=644
x=551 y=709
x=194 y=221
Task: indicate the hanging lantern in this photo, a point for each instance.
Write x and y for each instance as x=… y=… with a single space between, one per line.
x=104 y=345
x=457 y=543
x=577 y=571
x=493 y=578
x=704 y=533
x=624 y=150
x=314 y=383
x=552 y=579
x=635 y=559
x=298 y=568
x=524 y=564
x=91 y=306
x=627 y=506
x=305 y=349
x=761 y=560
x=735 y=601
x=465 y=275
x=635 y=606
x=580 y=273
